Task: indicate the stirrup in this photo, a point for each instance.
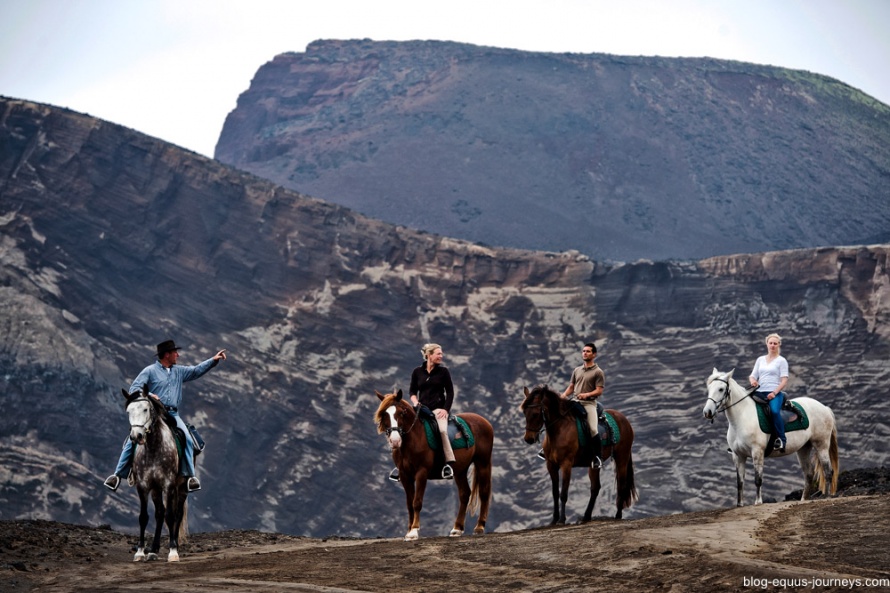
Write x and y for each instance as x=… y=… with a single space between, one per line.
x=112 y=482
x=447 y=472
x=597 y=463
x=541 y=455
x=193 y=484
x=394 y=475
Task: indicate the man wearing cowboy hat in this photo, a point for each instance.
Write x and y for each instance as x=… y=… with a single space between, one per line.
x=164 y=379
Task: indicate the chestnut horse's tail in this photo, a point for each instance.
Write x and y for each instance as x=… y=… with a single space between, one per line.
x=473 y=505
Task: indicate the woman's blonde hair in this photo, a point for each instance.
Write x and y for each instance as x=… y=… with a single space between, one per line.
x=776 y=336
x=428 y=349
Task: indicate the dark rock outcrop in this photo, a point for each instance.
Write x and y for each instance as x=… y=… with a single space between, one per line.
x=617 y=157
x=111 y=242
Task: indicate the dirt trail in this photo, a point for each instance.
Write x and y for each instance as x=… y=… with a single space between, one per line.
x=839 y=538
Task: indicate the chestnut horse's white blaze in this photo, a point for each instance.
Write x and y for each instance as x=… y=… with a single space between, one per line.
x=394 y=437
x=816 y=446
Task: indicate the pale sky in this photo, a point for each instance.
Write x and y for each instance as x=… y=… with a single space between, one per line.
x=174 y=68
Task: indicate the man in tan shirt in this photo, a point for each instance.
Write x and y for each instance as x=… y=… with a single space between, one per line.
x=586 y=386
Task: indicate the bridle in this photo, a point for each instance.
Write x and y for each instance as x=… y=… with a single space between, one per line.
x=151 y=415
x=544 y=421
x=398 y=429
x=717 y=404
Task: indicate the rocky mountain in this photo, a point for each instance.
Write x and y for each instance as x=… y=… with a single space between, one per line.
x=111 y=241
x=617 y=157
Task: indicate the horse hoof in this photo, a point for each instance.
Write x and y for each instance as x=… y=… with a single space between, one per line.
x=151 y=556
x=455 y=533
x=412 y=535
x=139 y=557
x=173 y=556
x=479 y=531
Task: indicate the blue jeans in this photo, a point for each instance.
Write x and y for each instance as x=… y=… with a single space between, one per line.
x=187 y=466
x=775 y=406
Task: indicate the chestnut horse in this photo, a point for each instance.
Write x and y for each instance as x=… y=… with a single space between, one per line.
x=156 y=474
x=417 y=462
x=546 y=411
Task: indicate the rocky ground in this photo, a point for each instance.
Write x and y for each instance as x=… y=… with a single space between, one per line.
x=829 y=544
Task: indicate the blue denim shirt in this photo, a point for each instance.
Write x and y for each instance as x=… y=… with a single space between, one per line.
x=167 y=384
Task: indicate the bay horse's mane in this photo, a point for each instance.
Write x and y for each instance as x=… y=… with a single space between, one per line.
x=548 y=394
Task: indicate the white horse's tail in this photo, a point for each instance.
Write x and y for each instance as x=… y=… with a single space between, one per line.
x=835 y=464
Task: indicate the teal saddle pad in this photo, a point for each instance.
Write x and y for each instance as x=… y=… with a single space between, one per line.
x=802 y=422
x=459 y=433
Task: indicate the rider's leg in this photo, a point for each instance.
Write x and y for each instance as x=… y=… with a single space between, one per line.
x=593 y=409
x=188 y=464
x=775 y=406
x=126 y=459
x=448 y=470
x=123 y=466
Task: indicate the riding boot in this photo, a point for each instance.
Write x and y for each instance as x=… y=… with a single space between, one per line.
x=597 y=449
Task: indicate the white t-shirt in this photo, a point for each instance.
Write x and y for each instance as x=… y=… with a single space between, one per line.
x=769 y=374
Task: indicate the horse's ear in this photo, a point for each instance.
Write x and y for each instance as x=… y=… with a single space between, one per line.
x=715 y=371
x=145 y=390
x=399 y=395
x=526 y=391
x=379 y=395
x=729 y=374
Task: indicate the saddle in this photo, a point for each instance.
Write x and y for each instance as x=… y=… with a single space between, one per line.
x=607 y=428
x=793 y=415
x=459 y=433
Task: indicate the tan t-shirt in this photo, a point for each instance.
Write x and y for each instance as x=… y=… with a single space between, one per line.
x=586 y=379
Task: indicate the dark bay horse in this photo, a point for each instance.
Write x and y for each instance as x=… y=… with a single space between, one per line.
x=156 y=474
x=417 y=462
x=546 y=411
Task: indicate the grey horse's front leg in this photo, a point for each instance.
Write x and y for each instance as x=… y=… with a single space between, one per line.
x=739 y=476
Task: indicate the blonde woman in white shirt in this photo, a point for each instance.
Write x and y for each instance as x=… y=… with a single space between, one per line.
x=770 y=375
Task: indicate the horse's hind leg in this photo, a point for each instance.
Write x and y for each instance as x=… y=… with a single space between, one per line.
x=805 y=457
x=463 y=496
x=483 y=483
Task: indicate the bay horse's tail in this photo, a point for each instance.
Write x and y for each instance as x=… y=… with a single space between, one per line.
x=835 y=465
x=627 y=488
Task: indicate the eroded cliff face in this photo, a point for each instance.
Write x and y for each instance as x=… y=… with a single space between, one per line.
x=111 y=242
x=620 y=158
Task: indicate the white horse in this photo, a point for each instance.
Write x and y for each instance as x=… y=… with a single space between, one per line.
x=816 y=445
